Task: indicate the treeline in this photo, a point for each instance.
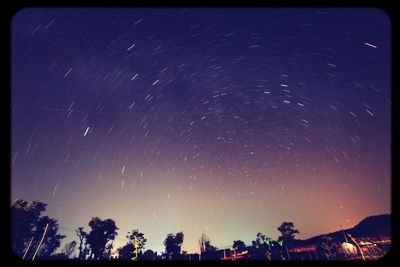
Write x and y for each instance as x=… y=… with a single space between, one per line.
x=35 y=236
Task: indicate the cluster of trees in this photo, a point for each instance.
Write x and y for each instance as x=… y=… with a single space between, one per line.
x=262 y=248
x=35 y=236
x=28 y=225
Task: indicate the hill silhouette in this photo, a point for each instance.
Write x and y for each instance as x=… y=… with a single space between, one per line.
x=372 y=226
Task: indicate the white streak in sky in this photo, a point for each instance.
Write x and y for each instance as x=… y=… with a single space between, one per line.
x=66 y=159
x=70 y=107
x=137 y=22
x=130 y=47
x=86 y=131
x=16 y=154
x=371 y=45
x=135 y=76
x=66 y=74
x=56 y=187
x=354 y=115
x=48 y=25
x=54 y=190
x=369 y=112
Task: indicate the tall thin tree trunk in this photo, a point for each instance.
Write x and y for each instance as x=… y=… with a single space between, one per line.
x=30 y=242
x=40 y=243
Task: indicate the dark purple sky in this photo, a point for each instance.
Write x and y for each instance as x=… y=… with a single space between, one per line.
x=218 y=121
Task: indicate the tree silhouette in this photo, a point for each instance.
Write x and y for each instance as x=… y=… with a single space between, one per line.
x=149 y=255
x=66 y=253
x=327 y=248
x=139 y=237
x=239 y=246
x=277 y=250
x=173 y=245
x=126 y=252
x=83 y=250
x=29 y=224
x=287 y=232
x=108 y=251
x=179 y=241
x=208 y=251
x=69 y=248
x=261 y=247
x=52 y=239
x=287 y=237
x=202 y=242
x=102 y=232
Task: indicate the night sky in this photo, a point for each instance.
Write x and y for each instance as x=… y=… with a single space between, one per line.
x=202 y=120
